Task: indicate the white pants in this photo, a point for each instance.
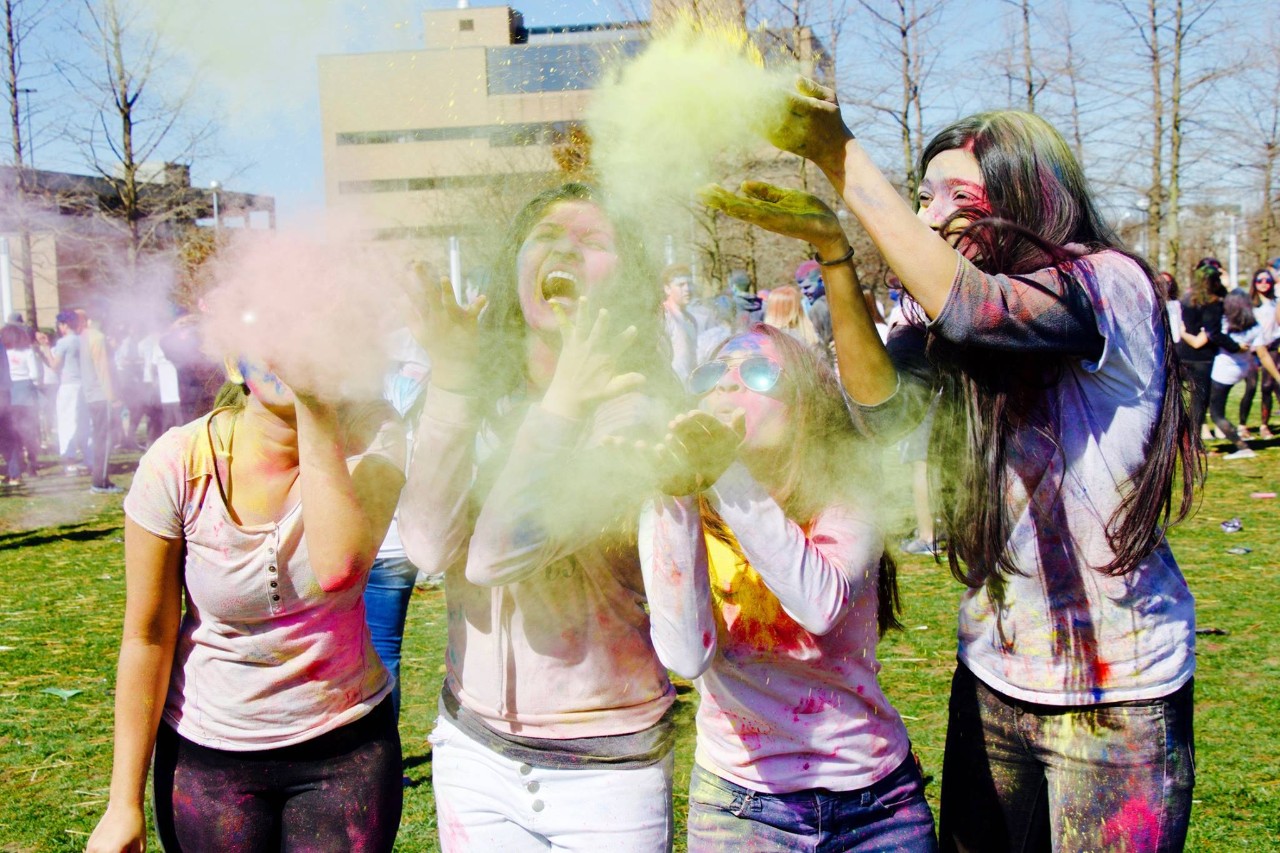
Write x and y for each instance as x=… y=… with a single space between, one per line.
x=67 y=407
x=486 y=802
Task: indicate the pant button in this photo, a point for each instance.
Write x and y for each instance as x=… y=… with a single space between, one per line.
x=526 y=769
x=538 y=805
x=532 y=787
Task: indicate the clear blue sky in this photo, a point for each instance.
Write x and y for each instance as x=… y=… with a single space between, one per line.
x=256 y=67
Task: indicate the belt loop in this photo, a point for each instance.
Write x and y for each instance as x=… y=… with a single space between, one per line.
x=742 y=807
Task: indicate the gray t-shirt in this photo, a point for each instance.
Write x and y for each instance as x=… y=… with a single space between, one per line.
x=67 y=348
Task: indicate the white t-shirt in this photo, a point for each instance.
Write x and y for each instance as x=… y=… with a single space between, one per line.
x=23 y=365
x=166 y=376
x=1230 y=367
x=265 y=657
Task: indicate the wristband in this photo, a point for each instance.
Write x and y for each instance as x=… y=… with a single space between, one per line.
x=846 y=257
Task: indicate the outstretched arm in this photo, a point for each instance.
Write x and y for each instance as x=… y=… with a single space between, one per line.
x=153 y=607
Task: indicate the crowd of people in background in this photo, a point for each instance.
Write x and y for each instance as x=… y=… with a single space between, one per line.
x=80 y=392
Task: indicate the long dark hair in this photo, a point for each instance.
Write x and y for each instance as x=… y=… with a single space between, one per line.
x=827 y=464
x=632 y=295
x=1237 y=312
x=1039 y=212
x=1255 y=296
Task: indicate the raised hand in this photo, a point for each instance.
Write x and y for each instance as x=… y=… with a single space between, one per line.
x=587 y=370
x=697 y=449
x=446 y=330
x=791 y=213
x=812 y=127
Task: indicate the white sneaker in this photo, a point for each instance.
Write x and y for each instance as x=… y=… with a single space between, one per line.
x=1242 y=453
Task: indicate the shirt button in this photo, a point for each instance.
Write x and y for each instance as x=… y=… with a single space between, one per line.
x=538 y=805
x=275 y=598
x=532 y=787
x=274 y=584
x=271 y=569
x=271 y=550
x=525 y=769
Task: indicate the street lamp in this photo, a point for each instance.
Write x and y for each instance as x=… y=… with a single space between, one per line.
x=215 y=186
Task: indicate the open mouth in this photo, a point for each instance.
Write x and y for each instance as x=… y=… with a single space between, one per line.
x=560 y=286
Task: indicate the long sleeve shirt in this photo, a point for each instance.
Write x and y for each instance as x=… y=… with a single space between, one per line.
x=1058 y=631
x=548 y=634
x=782 y=645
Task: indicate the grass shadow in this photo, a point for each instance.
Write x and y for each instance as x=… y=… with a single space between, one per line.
x=67 y=532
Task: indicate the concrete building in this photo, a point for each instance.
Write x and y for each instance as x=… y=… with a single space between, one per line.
x=446 y=141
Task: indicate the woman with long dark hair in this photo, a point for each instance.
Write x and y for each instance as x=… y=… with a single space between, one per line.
x=1202 y=337
x=1262 y=295
x=1062 y=431
x=769 y=585
x=553 y=727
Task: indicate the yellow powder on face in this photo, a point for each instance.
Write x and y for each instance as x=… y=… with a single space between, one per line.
x=682 y=114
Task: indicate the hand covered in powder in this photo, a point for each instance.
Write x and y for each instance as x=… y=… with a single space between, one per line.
x=791 y=213
x=587 y=370
x=697 y=449
x=812 y=126
x=446 y=330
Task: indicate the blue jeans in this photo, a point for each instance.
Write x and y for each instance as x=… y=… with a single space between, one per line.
x=386 y=601
x=892 y=814
x=1018 y=776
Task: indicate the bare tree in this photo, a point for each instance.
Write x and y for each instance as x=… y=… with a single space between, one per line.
x=21 y=17
x=138 y=138
x=900 y=31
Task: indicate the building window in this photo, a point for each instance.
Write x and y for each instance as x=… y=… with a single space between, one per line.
x=528 y=69
x=443 y=182
x=466 y=25
x=498 y=136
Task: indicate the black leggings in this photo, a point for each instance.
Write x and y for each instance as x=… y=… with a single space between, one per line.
x=1218 y=411
x=1269 y=390
x=339 y=791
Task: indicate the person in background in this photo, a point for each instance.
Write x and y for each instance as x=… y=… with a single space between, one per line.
x=783 y=310
x=750 y=307
x=23 y=451
x=682 y=331
x=1172 y=303
x=131 y=389
x=1262 y=295
x=98 y=389
x=392 y=576
x=73 y=421
x=1202 y=337
x=1250 y=337
x=809 y=280
x=198 y=376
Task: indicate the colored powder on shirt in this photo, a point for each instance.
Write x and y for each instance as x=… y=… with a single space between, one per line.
x=748 y=614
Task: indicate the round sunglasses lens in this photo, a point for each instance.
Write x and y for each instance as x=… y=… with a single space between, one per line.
x=759 y=374
x=705 y=376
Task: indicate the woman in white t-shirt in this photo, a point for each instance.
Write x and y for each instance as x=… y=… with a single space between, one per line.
x=1262 y=294
x=768 y=584
x=1238 y=321
x=23 y=450
x=268 y=709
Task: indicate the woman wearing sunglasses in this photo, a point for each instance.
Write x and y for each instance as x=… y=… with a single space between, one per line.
x=1262 y=294
x=1061 y=434
x=553 y=729
x=768 y=585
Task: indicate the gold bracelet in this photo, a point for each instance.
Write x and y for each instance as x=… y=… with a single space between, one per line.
x=847 y=256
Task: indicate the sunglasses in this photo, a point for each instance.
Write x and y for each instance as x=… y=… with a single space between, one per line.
x=757 y=373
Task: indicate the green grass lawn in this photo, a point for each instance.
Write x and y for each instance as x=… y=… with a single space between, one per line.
x=61 y=565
